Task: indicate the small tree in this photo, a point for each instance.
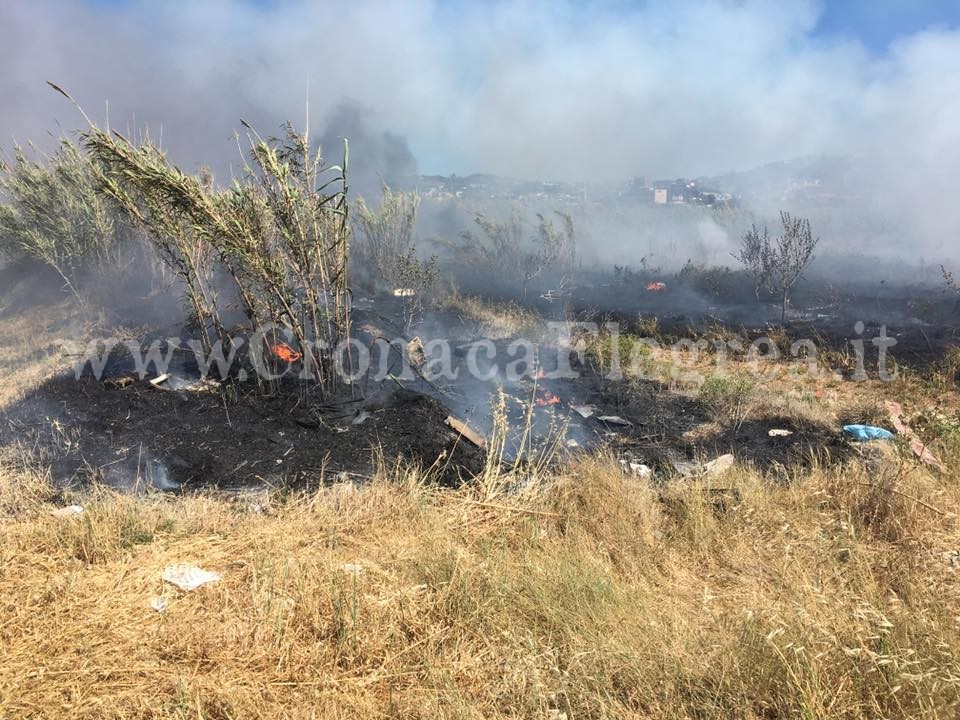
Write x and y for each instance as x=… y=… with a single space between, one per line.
x=777 y=264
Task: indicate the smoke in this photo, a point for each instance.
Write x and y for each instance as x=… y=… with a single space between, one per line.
x=554 y=90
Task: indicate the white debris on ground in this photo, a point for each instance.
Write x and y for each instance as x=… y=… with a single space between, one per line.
x=158 y=603
x=614 y=420
x=776 y=432
x=68 y=511
x=188 y=577
x=637 y=468
x=352 y=568
x=584 y=411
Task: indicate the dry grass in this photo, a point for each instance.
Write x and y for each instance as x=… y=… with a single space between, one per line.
x=590 y=596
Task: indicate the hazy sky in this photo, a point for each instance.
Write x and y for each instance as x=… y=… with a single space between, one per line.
x=547 y=89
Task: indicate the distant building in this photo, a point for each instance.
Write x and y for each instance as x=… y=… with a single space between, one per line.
x=660 y=196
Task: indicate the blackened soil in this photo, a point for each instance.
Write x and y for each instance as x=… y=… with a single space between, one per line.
x=136 y=434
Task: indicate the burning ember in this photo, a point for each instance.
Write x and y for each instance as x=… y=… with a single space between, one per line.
x=285 y=352
x=656 y=286
x=548 y=399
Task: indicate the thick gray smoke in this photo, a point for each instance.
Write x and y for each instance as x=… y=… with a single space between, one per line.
x=553 y=90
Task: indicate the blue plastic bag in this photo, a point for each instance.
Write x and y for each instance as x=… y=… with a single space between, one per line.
x=863 y=433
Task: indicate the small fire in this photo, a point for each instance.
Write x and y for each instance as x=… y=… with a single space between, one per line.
x=548 y=399
x=285 y=352
x=656 y=286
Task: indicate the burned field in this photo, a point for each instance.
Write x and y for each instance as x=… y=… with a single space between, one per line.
x=179 y=432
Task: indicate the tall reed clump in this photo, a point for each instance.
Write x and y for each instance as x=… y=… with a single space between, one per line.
x=387 y=243
x=51 y=212
x=280 y=233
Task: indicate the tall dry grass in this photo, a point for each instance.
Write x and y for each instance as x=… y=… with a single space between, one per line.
x=589 y=595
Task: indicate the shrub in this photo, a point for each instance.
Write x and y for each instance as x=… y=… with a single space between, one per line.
x=387 y=246
x=53 y=213
x=280 y=232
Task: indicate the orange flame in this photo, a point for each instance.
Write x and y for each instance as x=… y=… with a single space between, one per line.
x=548 y=399
x=285 y=352
x=656 y=286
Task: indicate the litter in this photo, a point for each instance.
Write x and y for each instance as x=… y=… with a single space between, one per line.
x=865 y=433
x=404 y=292
x=720 y=465
x=614 y=420
x=352 y=568
x=68 y=511
x=584 y=411
x=466 y=431
x=188 y=577
x=571 y=443
x=775 y=432
x=159 y=381
x=158 y=603
x=637 y=468
x=916 y=444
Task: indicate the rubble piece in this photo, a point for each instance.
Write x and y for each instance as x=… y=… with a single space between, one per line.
x=584 y=411
x=615 y=420
x=158 y=603
x=866 y=433
x=68 y=511
x=188 y=577
x=895 y=411
x=776 y=432
x=415 y=353
x=404 y=292
x=719 y=466
x=466 y=431
x=361 y=418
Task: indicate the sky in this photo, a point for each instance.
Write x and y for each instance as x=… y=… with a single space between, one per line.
x=547 y=89
x=537 y=89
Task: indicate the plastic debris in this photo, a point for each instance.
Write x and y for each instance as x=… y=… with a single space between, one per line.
x=572 y=443
x=361 y=418
x=614 y=420
x=352 y=568
x=158 y=603
x=916 y=444
x=68 y=511
x=637 y=468
x=404 y=292
x=776 y=432
x=188 y=577
x=720 y=465
x=865 y=433
x=584 y=411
